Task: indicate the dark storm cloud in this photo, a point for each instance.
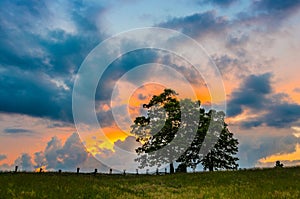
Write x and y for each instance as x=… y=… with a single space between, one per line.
x=198 y=24
x=278 y=115
x=16 y=131
x=35 y=95
x=252 y=94
x=122 y=65
x=2 y=157
x=256 y=95
x=41 y=41
x=52 y=49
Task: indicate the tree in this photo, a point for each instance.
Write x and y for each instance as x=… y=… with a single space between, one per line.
x=221 y=156
x=183 y=127
x=278 y=164
x=157 y=129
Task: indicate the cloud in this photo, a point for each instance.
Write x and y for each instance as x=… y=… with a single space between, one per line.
x=32 y=94
x=230 y=65
x=253 y=149
x=122 y=65
x=17 y=131
x=61 y=34
x=39 y=159
x=5 y=167
x=279 y=115
x=237 y=39
x=222 y=3
x=129 y=144
x=51 y=152
x=54 y=32
x=252 y=94
x=276 y=7
x=198 y=24
x=296 y=90
x=269 y=13
x=59 y=125
x=122 y=156
x=24 y=162
x=141 y=96
x=105 y=118
x=2 y=157
x=67 y=156
x=72 y=153
x=255 y=95
x=41 y=47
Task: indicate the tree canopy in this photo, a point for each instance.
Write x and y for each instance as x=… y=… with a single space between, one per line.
x=182 y=131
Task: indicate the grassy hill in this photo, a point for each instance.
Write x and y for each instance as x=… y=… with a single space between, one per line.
x=267 y=183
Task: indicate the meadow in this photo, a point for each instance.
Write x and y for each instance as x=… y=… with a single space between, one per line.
x=256 y=183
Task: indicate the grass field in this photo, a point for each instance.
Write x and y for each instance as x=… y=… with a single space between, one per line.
x=267 y=183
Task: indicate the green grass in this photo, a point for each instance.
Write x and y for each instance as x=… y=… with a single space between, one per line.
x=267 y=183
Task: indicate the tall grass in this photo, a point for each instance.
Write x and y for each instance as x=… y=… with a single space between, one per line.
x=267 y=183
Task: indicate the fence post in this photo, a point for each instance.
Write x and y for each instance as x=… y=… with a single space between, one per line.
x=137 y=172
x=78 y=169
x=165 y=170
x=124 y=171
x=157 y=171
x=16 y=169
x=110 y=171
x=95 y=172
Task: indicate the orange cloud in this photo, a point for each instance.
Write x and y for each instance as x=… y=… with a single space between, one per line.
x=283 y=157
x=99 y=139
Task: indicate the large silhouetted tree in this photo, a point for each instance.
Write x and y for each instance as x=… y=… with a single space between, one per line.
x=183 y=128
x=157 y=129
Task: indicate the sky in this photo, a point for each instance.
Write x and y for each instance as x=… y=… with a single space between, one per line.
x=52 y=54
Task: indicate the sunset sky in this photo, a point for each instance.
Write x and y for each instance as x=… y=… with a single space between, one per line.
x=253 y=45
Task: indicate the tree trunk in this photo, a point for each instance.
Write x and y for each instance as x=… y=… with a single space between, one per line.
x=210 y=163
x=171 y=168
x=211 y=167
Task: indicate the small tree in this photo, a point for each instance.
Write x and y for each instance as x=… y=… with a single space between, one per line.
x=278 y=164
